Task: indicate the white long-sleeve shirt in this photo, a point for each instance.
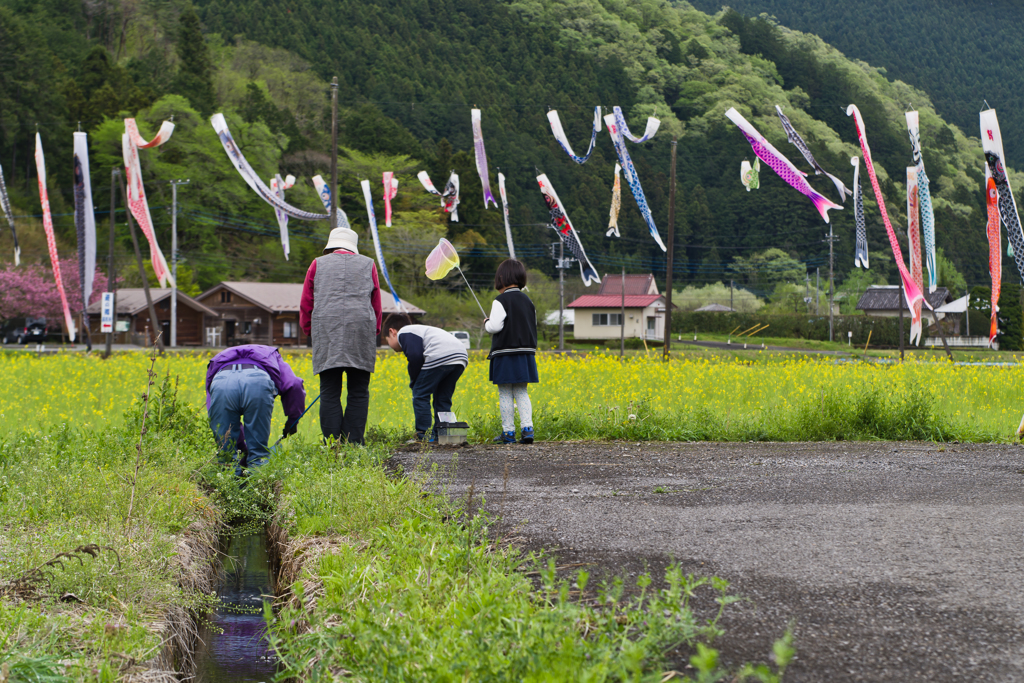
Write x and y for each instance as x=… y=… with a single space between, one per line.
x=496 y=322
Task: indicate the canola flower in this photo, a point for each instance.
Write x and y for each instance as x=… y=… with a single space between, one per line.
x=87 y=392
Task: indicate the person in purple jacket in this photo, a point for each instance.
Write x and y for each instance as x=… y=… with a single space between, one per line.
x=241 y=382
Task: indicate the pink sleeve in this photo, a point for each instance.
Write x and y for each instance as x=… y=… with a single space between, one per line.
x=375 y=298
x=306 y=302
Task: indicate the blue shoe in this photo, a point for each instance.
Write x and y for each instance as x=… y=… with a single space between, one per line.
x=505 y=437
x=526 y=435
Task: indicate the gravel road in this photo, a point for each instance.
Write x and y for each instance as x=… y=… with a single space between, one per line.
x=894 y=561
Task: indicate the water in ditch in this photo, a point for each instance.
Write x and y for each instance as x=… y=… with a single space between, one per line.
x=231 y=647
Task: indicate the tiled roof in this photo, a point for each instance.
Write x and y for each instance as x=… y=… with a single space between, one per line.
x=131 y=301
x=284 y=297
x=635 y=285
x=887 y=298
x=615 y=301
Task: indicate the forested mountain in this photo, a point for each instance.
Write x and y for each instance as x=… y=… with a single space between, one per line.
x=409 y=73
x=960 y=53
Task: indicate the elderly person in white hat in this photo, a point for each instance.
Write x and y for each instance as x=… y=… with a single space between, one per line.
x=341 y=312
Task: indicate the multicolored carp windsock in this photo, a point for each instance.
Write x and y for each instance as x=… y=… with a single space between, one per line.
x=613 y=212
x=131 y=142
x=914 y=242
x=992 y=143
x=390 y=192
x=860 y=258
x=799 y=143
x=925 y=194
x=616 y=128
x=563 y=141
x=324 y=191
x=5 y=206
x=220 y=125
x=85 y=218
x=376 y=242
x=750 y=176
x=51 y=240
x=995 y=250
x=911 y=290
x=278 y=186
x=450 y=196
x=560 y=222
x=780 y=164
x=504 y=211
x=481 y=158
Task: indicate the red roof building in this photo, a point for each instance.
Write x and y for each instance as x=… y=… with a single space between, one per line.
x=599 y=316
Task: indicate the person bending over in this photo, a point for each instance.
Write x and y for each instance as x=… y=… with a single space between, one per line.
x=241 y=382
x=436 y=362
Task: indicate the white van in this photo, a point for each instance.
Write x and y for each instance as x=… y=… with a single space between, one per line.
x=463 y=337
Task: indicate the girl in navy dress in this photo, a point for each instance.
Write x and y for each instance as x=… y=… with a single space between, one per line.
x=513 y=324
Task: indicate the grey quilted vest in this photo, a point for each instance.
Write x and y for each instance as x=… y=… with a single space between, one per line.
x=344 y=326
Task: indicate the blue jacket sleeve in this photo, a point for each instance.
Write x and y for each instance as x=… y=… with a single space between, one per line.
x=290 y=388
x=412 y=346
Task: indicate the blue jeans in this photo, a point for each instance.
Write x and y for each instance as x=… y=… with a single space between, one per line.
x=440 y=383
x=238 y=394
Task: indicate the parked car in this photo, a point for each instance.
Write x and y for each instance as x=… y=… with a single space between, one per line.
x=463 y=337
x=25 y=331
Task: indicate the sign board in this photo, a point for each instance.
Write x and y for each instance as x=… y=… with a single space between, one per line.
x=107 y=313
x=121 y=326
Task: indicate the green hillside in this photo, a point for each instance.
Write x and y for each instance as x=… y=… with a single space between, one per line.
x=410 y=72
x=961 y=53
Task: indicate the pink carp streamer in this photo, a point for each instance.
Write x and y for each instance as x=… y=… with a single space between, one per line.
x=504 y=211
x=911 y=290
x=914 y=240
x=995 y=250
x=51 y=240
x=390 y=192
x=131 y=143
x=780 y=164
x=481 y=158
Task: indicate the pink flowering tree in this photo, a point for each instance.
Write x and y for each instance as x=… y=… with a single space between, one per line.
x=29 y=290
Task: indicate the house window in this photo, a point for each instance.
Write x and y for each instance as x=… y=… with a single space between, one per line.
x=291 y=330
x=225 y=297
x=248 y=328
x=651 y=324
x=606 y=319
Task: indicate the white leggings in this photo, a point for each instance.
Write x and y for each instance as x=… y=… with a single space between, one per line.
x=509 y=396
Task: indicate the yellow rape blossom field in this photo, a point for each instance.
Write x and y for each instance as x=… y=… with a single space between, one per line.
x=981 y=402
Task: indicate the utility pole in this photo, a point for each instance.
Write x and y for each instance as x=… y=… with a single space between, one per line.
x=174 y=259
x=561 y=297
x=732 y=284
x=111 y=275
x=817 y=291
x=142 y=271
x=334 y=153
x=671 y=250
x=622 y=318
x=902 y=300
x=831 y=284
x=807 y=292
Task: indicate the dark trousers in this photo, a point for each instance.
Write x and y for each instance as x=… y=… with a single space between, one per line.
x=440 y=383
x=348 y=424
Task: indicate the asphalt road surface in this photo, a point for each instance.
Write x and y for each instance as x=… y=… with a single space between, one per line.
x=893 y=561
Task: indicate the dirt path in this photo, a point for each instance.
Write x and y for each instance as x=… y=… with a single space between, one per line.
x=896 y=561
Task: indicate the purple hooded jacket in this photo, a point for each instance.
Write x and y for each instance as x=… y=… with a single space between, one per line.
x=293 y=395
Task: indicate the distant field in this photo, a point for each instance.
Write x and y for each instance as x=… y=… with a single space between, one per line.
x=982 y=402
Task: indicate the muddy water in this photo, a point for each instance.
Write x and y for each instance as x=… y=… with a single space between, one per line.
x=232 y=648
